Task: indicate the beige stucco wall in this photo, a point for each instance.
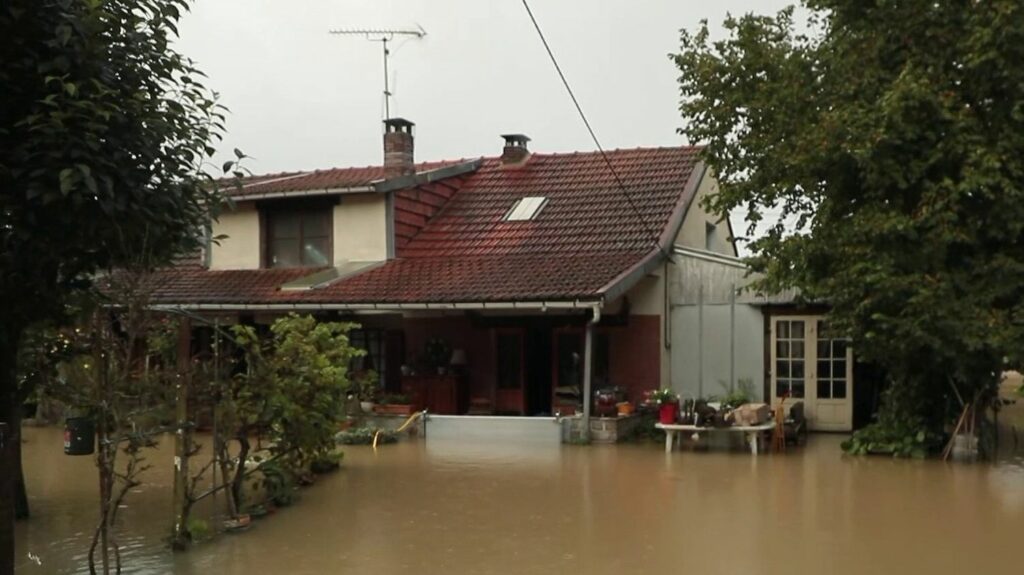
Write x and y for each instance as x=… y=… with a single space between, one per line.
x=647 y=297
x=693 y=231
x=361 y=228
x=240 y=250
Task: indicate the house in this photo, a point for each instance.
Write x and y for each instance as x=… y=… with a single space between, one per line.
x=508 y=284
x=773 y=344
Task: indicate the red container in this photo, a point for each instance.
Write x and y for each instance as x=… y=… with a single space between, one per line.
x=667 y=413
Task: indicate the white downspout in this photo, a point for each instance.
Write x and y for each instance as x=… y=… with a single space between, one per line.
x=588 y=361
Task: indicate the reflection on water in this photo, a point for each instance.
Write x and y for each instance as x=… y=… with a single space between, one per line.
x=458 y=506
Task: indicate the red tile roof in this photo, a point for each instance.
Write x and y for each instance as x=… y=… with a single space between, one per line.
x=518 y=277
x=194 y=284
x=586 y=211
x=317 y=180
x=453 y=244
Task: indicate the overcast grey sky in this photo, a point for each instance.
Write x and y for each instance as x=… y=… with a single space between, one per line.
x=300 y=98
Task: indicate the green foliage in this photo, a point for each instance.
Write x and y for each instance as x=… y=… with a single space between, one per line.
x=664 y=395
x=364 y=436
x=644 y=429
x=900 y=429
x=104 y=130
x=326 y=462
x=882 y=152
x=367 y=385
x=395 y=399
x=198 y=529
x=741 y=394
x=279 y=480
x=294 y=389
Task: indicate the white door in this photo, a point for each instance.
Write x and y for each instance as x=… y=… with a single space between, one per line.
x=809 y=365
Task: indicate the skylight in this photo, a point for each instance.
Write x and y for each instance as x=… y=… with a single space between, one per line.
x=526 y=209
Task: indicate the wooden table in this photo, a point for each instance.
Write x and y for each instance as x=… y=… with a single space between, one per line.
x=752 y=432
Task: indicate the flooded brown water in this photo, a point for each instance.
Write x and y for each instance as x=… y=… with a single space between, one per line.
x=465 y=507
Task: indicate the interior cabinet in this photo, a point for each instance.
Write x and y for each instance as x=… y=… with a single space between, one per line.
x=440 y=394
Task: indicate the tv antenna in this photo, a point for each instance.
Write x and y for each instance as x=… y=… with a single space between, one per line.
x=384 y=36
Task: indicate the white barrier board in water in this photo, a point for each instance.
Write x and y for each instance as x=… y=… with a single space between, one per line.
x=533 y=430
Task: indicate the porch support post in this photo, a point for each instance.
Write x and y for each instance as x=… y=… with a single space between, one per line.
x=182 y=434
x=588 y=369
x=732 y=337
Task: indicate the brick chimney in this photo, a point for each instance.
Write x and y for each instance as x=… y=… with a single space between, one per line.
x=515 y=151
x=398 y=147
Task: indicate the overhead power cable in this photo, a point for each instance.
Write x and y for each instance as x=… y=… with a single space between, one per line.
x=579 y=109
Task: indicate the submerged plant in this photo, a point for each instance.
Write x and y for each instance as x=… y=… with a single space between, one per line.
x=364 y=436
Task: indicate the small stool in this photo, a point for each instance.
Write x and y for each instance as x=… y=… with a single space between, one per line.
x=779 y=433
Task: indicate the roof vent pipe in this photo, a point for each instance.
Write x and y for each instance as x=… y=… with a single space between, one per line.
x=515 y=151
x=398 y=148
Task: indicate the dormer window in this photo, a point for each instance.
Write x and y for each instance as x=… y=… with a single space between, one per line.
x=298 y=238
x=526 y=209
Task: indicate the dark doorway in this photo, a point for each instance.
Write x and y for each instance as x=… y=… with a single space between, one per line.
x=538 y=371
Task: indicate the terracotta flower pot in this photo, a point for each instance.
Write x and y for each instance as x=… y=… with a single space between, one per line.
x=667 y=413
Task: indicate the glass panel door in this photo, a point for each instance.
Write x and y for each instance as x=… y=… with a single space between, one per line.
x=509 y=396
x=811 y=364
x=790 y=358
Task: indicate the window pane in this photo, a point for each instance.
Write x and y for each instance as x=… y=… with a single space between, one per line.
x=822 y=330
x=284 y=225
x=839 y=389
x=824 y=369
x=781 y=387
x=839 y=369
x=839 y=348
x=782 y=349
x=797 y=349
x=284 y=253
x=798 y=368
x=824 y=349
x=824 y=390
x=798 y=330
x=316 y=224
x=797 y=386
x=782 y=327
x=782 y=367
x=314 y=252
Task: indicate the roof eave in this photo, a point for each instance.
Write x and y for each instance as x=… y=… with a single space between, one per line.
x=380 y=306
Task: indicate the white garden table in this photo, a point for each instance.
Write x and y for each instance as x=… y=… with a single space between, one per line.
x=751 y=432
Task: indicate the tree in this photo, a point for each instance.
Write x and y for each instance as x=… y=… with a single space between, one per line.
x=104 y=131
x=291 y=393
x=888 y=139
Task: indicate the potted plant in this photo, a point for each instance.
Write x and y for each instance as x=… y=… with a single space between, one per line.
x=367 y=386
x=668 y=405
x=394 y=404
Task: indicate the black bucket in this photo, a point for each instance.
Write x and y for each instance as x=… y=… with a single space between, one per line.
x=79 y=436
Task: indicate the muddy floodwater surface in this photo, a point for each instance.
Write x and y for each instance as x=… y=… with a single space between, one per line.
x=466 y=506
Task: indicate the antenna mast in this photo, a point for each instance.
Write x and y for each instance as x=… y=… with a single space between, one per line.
x=384 y=36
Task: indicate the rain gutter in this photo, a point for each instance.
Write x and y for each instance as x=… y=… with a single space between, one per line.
x=306 y=306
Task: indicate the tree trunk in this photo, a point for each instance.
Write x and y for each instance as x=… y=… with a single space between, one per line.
x=10 y=442
x=236 y=483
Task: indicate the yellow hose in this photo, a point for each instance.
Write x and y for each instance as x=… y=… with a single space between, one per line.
x=401 y=428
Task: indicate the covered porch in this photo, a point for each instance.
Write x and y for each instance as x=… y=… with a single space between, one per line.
x=529 y=359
